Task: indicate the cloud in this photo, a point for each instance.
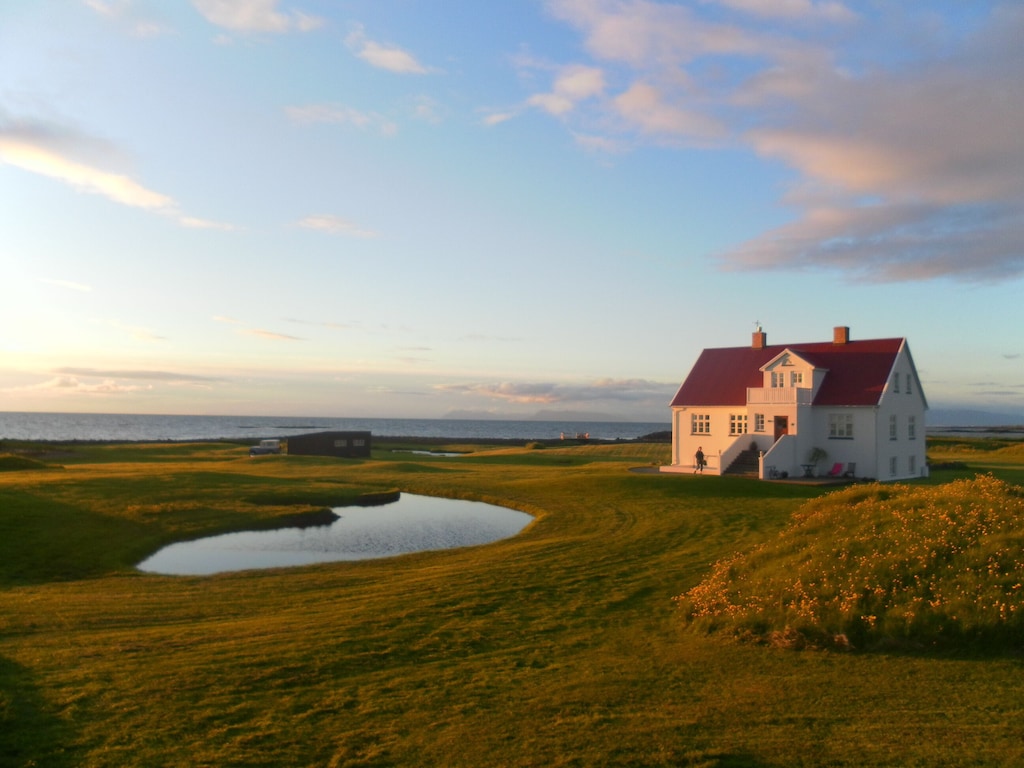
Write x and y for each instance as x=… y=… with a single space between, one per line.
x=68 y=284
x=144 y=375
x=906 y=176
x=51 y=151
x=603 y=144
x=547 y=393
x=255 y=16
x=257 y=332
x=381 y=56
x=335 y=225
x=124 y=12
x=321 y=324
x=646 y=108
x=573 y=84
x=271 y=335
x=28 y=156
x=824 y=10
x=498 y=117
x=907 y=167
x=72 y=385
x=337 y=114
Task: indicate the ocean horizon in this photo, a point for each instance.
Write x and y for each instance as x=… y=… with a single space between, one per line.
x=155 y=427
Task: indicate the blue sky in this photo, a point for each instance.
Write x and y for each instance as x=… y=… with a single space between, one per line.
x=420 y=209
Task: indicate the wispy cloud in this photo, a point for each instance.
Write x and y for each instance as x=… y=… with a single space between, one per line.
x=321 y=324
x=335 y=225
x=646 y=108
x=497 y=117
x=74 y=385
x=547 y=393
x=134 y=374
x=909 y=171
x=807 y=10
x=125 y=12
x=383 y=56
x=259 y=333
x=270 y=335
x=574 y=83
x=49 y=150
x=338 y=114
x=255 y=16
x=67 y=284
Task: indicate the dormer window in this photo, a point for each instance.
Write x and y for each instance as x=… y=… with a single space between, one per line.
x=778 y=379
x=796 y=378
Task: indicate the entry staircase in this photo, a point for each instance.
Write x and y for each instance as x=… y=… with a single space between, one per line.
x=747 y=464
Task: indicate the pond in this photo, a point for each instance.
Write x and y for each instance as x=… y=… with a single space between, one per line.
x=411 y=524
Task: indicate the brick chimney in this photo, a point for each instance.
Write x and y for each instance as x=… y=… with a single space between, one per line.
x=841 y=334
x=760 y=339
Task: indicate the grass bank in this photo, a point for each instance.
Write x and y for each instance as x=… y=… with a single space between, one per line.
x=561 y=646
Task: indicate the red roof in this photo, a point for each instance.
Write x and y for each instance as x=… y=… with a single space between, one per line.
x=857 y=372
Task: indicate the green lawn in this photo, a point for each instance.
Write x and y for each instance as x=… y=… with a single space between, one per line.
x=561 y=646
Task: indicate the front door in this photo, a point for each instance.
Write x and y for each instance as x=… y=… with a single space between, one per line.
x=781 y=426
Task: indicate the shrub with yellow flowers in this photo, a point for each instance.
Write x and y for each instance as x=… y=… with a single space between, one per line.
x=880 y=565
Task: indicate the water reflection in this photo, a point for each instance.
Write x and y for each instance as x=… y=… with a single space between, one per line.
x=411 y=524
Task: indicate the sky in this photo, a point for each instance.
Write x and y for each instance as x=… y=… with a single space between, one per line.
x=415 y=208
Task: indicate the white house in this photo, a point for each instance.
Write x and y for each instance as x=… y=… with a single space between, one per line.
x=839 y=407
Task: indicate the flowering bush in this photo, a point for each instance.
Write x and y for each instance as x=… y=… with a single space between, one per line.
x=875 y=564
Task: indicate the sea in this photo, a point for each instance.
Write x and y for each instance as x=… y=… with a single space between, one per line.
x=151 y=428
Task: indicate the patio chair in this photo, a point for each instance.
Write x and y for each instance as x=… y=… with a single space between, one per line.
x=837 y=470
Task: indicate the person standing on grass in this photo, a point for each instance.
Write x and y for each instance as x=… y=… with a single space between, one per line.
x=699 y=461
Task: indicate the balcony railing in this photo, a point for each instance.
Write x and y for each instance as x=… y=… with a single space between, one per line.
x=779 y=396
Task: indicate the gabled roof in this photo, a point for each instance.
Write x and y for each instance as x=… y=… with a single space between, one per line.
x=857 y=372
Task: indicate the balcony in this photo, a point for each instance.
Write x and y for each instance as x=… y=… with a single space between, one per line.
x=779 y=396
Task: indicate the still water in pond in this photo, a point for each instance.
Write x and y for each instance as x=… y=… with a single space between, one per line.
x=411 y=524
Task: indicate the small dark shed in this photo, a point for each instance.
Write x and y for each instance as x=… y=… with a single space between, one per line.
x=349 y=445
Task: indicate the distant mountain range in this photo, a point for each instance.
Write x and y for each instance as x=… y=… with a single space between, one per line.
x=971 y=417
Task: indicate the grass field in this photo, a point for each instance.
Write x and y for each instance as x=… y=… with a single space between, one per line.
x=562 y=646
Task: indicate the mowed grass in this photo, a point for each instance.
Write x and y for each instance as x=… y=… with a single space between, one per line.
x=561 y=646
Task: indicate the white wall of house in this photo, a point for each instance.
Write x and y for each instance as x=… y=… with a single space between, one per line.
x=857 y=449
x=712 y=436
x=900 y=439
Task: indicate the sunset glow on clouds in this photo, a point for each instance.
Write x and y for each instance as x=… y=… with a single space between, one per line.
x=499 y=208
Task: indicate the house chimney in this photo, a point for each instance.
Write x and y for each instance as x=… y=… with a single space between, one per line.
x=760 y=339
x=841 y=334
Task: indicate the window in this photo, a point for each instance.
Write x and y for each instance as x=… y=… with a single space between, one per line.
x=908 y=383
x=796 y=378
x=894 y=464
x=892 y=427
x=341 y=443
x=759 y=422
x=358 y=442
x=737 y=423
x=911 y=427
x=778 y=378
x=840 y=426
x=700 y=424
x=896 y=382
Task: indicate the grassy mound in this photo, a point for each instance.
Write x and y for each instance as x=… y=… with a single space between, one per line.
x=12 y=463
x=878 y=566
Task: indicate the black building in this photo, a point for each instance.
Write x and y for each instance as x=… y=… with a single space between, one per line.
x=348 y=445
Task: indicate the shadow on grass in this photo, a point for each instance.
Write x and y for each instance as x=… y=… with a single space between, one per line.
x=42 y=540
x=29 y=735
